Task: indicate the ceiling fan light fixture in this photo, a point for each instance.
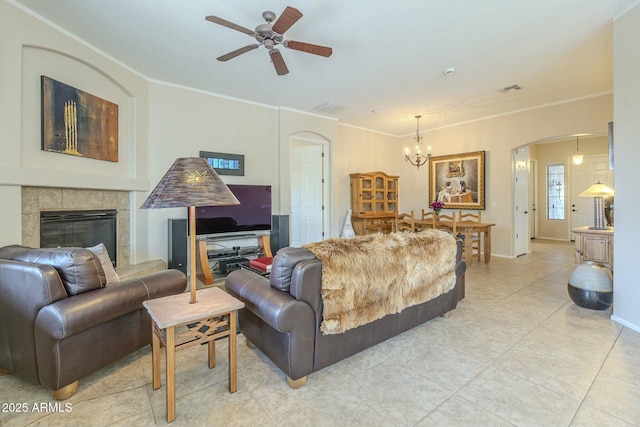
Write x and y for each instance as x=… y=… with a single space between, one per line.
x=270 y=35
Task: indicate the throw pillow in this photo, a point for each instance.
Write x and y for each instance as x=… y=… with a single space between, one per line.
x=100 y=251
x=78 y=268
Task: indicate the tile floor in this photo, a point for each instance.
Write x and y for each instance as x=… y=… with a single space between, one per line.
x=517 y=351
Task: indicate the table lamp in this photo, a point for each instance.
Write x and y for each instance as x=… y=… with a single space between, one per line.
x=190 y=182
x=598 y=191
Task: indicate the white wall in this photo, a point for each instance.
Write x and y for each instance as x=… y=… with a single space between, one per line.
x=28 y=49
x=626 y=61
x=183 y=122
x=498 y=136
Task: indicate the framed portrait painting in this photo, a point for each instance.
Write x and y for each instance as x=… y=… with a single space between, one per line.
x=457 y=180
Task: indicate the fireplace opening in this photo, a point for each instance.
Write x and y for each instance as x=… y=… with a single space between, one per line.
x=79 y=229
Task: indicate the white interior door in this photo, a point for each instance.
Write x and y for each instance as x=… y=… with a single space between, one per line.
x=592 y=170
x=307 y=217
x=533 y=198
x=521 y=200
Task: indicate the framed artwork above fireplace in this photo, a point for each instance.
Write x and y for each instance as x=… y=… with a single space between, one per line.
x=78 y=123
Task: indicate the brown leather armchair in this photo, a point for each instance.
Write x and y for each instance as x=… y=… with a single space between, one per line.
x=58 y=321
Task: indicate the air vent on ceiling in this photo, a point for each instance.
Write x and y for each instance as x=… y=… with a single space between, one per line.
x=511 y=88
x=328 y=107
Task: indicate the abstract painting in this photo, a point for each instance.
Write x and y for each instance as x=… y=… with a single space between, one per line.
x=78 y=123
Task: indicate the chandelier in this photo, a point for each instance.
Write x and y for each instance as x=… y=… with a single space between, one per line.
x=417 y=159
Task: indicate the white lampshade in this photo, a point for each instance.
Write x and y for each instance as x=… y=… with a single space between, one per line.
x=597 y=190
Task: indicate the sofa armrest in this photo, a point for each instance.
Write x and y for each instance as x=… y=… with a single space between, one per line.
x=277 y=308
x=81 y=312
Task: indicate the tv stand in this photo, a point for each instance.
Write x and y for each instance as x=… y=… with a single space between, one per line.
x=203 y=254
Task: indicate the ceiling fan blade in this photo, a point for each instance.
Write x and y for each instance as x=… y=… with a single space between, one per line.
x=309 y=48
x=237 y=52
x=278 y=62
x=225 y=23
x=286 y=20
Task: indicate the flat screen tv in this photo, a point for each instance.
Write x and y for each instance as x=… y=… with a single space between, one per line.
x=252 y=214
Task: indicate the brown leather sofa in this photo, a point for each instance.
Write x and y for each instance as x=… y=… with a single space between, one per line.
x=58 y=321
x=286 y=324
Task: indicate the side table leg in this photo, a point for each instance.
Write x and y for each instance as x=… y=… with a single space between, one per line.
x=233 y=383
x=155 y=356
x=171 y=374
x=212 y=354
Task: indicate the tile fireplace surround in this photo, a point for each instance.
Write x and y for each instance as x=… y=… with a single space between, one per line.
x=36 y=199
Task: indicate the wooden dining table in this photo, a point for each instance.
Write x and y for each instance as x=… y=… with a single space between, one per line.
x=466 y=228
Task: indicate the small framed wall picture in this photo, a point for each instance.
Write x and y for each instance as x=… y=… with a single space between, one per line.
x=224 y=163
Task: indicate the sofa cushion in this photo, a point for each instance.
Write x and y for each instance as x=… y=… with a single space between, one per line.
x=283 y=264
x=100 y=251
x=79 y=269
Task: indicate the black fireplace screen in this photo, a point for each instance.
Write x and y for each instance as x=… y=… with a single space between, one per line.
x=79 y=229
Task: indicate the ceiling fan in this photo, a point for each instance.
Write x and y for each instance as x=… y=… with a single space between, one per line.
x=270 y=35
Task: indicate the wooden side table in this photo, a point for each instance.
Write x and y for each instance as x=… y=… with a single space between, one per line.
x=213 y=316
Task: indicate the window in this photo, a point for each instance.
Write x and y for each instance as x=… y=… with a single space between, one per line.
x=555 y=191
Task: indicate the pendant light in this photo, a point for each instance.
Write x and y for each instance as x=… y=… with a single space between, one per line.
x=577 y=157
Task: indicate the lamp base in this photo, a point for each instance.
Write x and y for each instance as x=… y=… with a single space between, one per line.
x=600 y=228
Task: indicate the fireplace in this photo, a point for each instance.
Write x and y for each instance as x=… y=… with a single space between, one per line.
x=79 y=228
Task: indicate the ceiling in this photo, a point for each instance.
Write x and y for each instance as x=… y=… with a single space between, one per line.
x=388 y=57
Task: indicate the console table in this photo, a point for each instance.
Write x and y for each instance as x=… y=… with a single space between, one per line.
x=203 y=269
x=594 y=245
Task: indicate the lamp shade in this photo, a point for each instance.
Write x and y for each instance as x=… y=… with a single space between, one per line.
x=190 y=181
x=597 y=190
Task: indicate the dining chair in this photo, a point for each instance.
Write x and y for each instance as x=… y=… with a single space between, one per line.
x=428 y=220
x=405 y=222
x=447 y=223
x=475 y=236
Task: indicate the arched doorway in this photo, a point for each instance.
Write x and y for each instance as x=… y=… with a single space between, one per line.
x=309 y=174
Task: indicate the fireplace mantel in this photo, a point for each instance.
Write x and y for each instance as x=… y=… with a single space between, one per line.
x=12 y=175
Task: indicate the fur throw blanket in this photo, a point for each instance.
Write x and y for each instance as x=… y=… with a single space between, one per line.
x=367 y=277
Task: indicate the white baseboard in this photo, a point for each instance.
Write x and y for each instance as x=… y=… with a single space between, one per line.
x=625 y=323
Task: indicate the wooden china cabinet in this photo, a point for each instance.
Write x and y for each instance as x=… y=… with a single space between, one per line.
x=374 y=202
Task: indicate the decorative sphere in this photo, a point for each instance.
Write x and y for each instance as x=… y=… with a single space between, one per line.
x=591 y=286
